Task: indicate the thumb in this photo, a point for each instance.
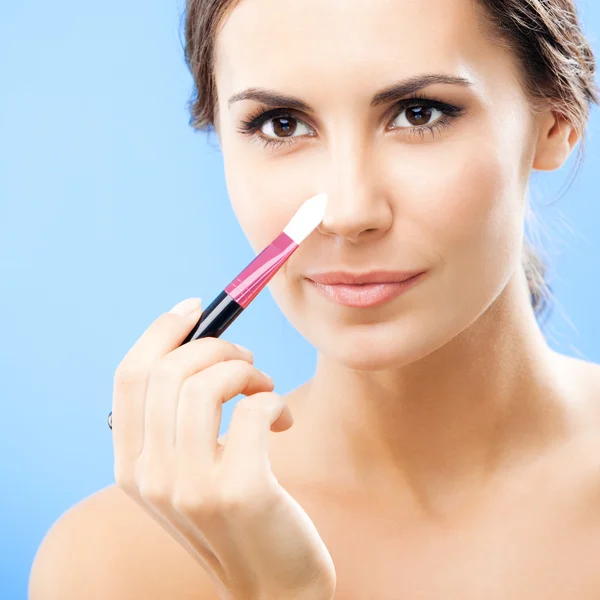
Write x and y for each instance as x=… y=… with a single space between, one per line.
x=284 y=421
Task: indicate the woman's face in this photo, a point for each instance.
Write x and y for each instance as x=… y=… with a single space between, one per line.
x=432 y=180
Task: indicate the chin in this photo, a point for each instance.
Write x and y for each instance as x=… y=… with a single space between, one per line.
x=398 y=339
x=378 y=346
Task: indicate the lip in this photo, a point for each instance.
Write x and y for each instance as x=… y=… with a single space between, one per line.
x=362 y=290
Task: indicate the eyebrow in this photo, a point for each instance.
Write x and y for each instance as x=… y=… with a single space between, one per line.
x=396 y=91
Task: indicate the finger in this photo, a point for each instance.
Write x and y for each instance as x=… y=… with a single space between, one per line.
x=248 y=434
x=130 y=382
x=200 y=408
x=163 y=335
x=164 y=386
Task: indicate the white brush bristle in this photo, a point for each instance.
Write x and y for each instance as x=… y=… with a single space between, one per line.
x=307 y=218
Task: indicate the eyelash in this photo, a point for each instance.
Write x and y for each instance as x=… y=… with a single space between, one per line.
x=251 y=126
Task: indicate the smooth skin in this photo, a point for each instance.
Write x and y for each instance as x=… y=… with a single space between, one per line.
x=442 y=449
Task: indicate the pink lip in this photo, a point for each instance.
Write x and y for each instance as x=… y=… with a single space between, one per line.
x=364 y=290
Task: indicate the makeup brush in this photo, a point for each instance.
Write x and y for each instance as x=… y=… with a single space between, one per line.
x=231 y=302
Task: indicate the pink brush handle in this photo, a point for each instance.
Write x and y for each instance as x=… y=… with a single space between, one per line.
x=244 y=288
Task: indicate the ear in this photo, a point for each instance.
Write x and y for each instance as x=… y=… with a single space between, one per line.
x=556 y=139
x=217 y=129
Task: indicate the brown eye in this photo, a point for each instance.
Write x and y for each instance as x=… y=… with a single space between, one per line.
x=282 y=127
x=418 y=115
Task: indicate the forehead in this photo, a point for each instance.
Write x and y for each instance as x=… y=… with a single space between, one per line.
x=289 y=44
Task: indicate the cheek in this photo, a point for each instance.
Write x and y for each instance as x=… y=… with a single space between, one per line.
x=463 y=200
x=260 y=210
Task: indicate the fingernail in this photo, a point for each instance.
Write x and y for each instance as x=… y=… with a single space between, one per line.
x=247 y=352
x=267 y=376
x=186 y=307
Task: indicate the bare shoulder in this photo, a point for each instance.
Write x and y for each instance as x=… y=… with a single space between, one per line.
x=107 y=547
x=583 y=377
x=587 y=369
x=581 y=460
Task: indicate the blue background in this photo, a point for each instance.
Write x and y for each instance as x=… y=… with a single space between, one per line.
x=109 y=205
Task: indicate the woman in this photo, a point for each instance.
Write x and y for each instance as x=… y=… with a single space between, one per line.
x=441 y=449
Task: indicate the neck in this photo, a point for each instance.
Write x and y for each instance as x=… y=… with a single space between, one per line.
x=438 y=428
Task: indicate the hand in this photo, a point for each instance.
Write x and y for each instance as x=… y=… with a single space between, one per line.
x=222 y=502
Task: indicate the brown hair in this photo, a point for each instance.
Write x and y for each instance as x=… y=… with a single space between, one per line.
x=557 y=63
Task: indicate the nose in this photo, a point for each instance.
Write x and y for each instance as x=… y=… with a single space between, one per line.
x=357 y=206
